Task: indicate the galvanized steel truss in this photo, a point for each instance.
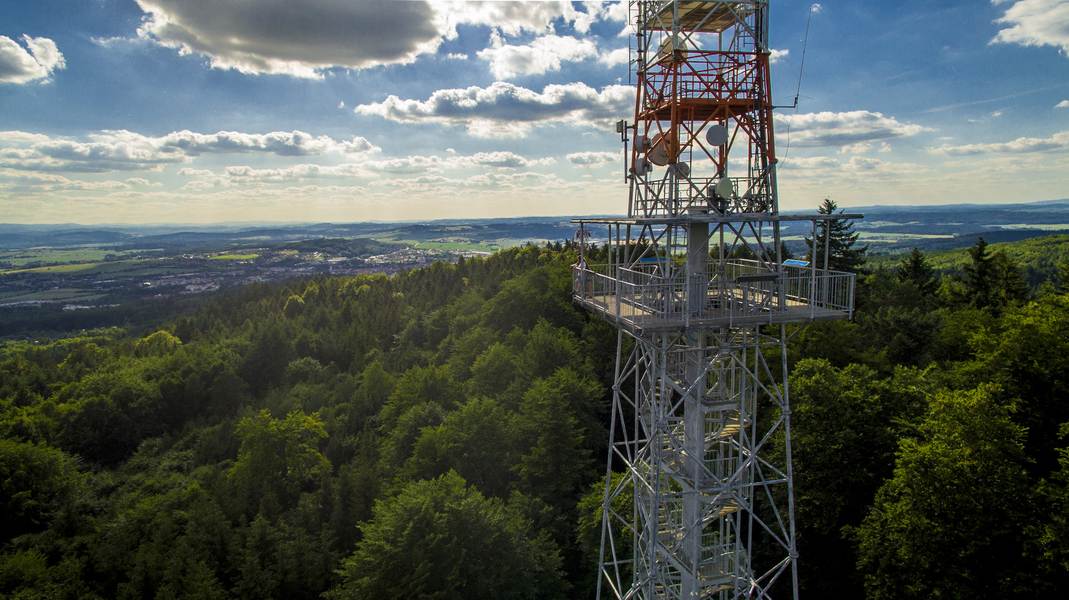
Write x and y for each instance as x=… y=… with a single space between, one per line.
x=696 y=282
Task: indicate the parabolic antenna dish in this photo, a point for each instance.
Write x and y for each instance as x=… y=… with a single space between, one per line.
x=658 y=152
x=641 y=166
x=725 y=188
x=716 y=135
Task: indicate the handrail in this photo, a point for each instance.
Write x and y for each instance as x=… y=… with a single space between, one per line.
x=745 y=290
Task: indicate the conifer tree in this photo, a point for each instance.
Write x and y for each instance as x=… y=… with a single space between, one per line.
x=941 y=526
x=916 y=270
x=978 y=276
x=839 y=237
x=992 y=279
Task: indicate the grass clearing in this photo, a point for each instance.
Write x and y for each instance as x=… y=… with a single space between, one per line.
x=456 y=246
x=39 y=257
x=53 y=295
x=70 y=268
x=235 y=256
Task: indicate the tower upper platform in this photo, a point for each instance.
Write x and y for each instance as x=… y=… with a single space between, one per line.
x=647 y=290
x=706 y=17
x=647 y=297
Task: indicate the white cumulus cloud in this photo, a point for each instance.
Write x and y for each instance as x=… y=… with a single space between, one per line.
x=513 y=18
x=1035 y=23
x=35 y=62
x=809 y=163
x=121 y=150
x=1062 y=104
x=591 y=159
x=1022 y=145
x=302 y=38
x=542 y=55
x=412 y=165
x=293 y=37
x=504 y=109
x=845 y=128
x=618 y=56
x=433 y=164
x=282 y=143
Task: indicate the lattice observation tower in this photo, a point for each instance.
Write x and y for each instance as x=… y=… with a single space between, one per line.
x=697 y=283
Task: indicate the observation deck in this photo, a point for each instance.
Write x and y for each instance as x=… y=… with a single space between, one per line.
x=741 y=292
x=713 y=85
x=712 y=16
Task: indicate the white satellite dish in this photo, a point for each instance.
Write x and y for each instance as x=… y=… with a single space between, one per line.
x=725 y=188
x=658 y=152
x=681 y=169
x=642 y=143
x=716 y=135
x=641 y=166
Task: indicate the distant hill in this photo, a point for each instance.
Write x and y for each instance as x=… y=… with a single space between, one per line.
x=1038 y=256
x=349 y=246
x=887 y=229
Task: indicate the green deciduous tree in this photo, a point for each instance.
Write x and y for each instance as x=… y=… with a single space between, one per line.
x=376 y=385
x=556 y=434
x=38 y=485
x=419 y=385
x=278 y=459
x=159 y=343
x=477 y=440
x=1052 y=530
x=838 y=469
x=400 y=436
x=442 y=539
x=494 y=371
x=547 y=349
x=947 y=524
x=1063 y=276
x=294 y=306
x=105 y=415
x=1027 y=356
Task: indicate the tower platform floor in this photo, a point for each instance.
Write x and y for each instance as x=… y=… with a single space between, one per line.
x=637 y=318
x=708 y=17
x=641 y=301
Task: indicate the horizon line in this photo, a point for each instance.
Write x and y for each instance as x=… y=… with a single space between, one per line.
x=462 y=218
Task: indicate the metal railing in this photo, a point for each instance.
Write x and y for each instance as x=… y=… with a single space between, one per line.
x=705 y=74
x=663 y=197
x=743 y=291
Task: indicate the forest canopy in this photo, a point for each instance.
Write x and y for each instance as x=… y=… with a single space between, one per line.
x=441 y=433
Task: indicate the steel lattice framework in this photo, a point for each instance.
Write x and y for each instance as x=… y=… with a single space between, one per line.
x=695 y=281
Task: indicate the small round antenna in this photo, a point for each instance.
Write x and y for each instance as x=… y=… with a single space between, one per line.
x=716 y=135
x=725 y=188
x=641 y=166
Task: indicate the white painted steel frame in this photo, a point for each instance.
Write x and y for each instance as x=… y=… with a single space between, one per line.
x=700 y=437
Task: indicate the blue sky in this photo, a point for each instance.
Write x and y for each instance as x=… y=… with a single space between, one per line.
x=198 y=111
